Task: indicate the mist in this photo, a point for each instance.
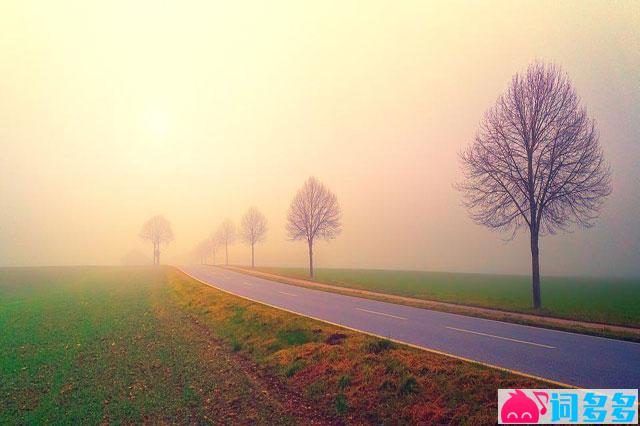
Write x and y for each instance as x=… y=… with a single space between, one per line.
x=113 y=113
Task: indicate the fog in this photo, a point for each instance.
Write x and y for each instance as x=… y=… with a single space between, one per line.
x=113 y=112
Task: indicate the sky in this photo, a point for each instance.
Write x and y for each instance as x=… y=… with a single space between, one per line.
x=112 y=112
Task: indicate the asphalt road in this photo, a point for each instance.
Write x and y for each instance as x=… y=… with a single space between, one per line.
x=575 y=359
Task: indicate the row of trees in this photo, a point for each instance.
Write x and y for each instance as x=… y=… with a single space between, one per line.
x=314 y=214
x=535 y=164
x=253 y=230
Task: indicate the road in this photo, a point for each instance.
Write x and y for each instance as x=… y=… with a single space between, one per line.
x=574 y=359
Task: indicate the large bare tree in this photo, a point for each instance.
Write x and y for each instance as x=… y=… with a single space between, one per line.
x=226 y=236
x=536 y=162
x=253 y=229
x=314 y=213
x=157 y=230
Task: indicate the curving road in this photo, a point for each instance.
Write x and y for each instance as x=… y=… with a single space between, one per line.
x=574 y=359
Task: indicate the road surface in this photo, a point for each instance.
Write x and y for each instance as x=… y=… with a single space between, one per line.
x=574 y=359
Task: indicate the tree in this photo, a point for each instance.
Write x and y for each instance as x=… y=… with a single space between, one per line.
x=157 y=230
x=202 y=251
x=213 y=246
x=226 y=236
x=253 y=229
x=536 y=162
x=314 y=213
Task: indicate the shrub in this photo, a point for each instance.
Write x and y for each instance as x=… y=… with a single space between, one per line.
x=388 y=385
x=341 y=404
x=294 y=367
x=394 y=367
x=408 y=385
x=294 y=337
x=344 y=382
x=235 y=345
x=380 y=345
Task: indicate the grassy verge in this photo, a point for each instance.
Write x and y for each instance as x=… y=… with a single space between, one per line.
x=347 y=375
x=603 y=300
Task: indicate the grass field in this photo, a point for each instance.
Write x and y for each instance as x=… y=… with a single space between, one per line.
x=94 y=345
x=612 y=301
x=131 y=345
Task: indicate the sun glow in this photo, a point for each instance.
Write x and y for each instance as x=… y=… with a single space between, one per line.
x=157 y=123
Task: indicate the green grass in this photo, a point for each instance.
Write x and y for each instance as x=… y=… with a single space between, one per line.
x=109 y=345
x=341 y=404
x=606 y=300
x=93 y=345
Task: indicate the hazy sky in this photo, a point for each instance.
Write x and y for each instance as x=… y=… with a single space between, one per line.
x=111 y=112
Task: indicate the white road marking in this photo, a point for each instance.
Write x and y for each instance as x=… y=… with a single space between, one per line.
x=500 y=337
x=247 y=283
x=380 y=313
x=288 y=294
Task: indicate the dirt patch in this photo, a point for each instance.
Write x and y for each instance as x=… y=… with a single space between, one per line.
x=335 y=339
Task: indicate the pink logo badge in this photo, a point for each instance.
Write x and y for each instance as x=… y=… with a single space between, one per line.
x=519 y=408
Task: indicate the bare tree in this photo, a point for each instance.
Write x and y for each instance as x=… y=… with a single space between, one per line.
x=253 y=229
x=536 y=162
x=158 y=231
x=226 y=235
x=202 y=251
x=314 y=213
x=214 y=244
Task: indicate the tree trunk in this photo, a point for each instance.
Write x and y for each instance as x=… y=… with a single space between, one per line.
x=214 y=258
x=252 y=257
x=226 y=254
x=155 y=254
x=311 y=258
x=535 y=269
